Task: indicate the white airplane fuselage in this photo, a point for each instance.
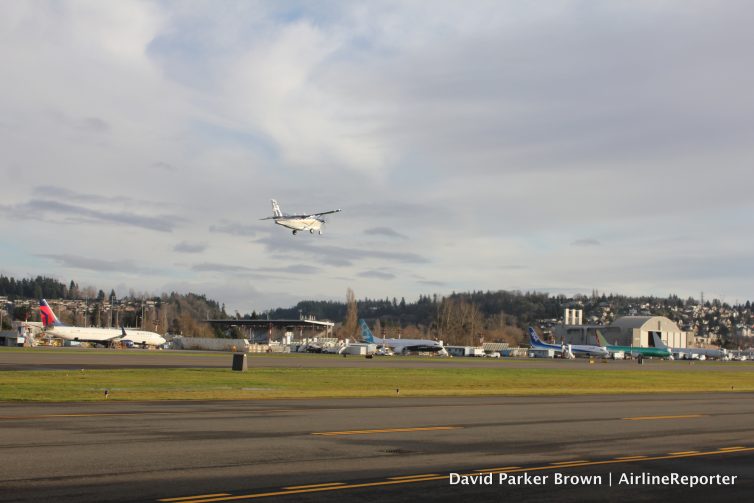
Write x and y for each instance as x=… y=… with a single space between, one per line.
x=300 y=224
x=105 y=335
x=572 y=349
x=401 y=346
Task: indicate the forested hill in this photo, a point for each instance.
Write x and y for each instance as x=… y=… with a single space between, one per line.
x=526 y=307
x=173 y=312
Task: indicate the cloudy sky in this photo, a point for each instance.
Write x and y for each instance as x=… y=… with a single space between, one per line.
x=558 y=146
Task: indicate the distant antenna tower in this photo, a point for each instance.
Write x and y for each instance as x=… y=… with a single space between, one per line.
x=701 y=310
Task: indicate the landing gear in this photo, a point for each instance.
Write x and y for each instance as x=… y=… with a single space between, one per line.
x=320 y=232
x=311 y=231
x=294 y=232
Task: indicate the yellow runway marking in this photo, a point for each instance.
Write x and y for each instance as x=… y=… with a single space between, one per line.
x=386 y=430
x=407 y=477
x=501 y=469
x=682 y=452
x=571 y=462
x=325 y=487
x=647 y=418
x=628 y=458
x=311 y=486
x=199 y=496
x=736 y=448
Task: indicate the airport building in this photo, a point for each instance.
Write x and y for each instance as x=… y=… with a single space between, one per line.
x=12 y=339
x=626 y=331
x=638 y=331
x=261 y=330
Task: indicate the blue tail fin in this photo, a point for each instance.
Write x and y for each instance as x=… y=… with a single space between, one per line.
x=366 y=334
x=533 y=337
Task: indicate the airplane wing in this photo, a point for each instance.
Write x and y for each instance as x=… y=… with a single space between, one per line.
x=310 y=215
x=325 y=213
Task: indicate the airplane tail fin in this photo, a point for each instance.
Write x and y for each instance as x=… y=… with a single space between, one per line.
x=601 y=338
x=658 y=341
x=48 y=317
x=533 y=337
x=366 y=334
x=276 y=209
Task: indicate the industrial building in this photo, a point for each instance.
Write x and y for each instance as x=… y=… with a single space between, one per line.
x=12 y=339
x=290 y=328
x=626 y=331
x=638 y=331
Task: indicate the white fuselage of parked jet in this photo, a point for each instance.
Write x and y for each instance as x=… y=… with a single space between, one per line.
x=106 y=335
x=567 y=350
x=402 y=346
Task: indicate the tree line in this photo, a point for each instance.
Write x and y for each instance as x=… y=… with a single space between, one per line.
x=175 y=313
x=466 y=318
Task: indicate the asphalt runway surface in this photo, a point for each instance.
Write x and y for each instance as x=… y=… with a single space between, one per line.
x=398 y=449
x=76 y=358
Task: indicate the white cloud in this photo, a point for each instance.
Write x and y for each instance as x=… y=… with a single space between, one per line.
x=471 y=146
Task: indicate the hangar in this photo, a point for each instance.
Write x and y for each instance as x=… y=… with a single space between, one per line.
x=625 y=331
x=638 y=331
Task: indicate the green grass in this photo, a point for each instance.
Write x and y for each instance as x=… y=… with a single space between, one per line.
x=224 y=384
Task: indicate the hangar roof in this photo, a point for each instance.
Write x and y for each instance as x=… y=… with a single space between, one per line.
x=648 y=323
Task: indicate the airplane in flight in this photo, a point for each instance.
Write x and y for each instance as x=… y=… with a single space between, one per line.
x=401 y=346
x=306 y=222
x=635 y=351
x=567 y=350
x=106 y=336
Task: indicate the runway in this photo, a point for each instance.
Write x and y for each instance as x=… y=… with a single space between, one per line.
x=397 y=449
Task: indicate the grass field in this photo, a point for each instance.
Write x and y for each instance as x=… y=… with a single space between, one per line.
x=224 y=384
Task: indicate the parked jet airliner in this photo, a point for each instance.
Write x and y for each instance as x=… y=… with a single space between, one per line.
x=688 y=353
x=54 y=327
x=567 y=350
x=402 y=345
x=634 y=351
